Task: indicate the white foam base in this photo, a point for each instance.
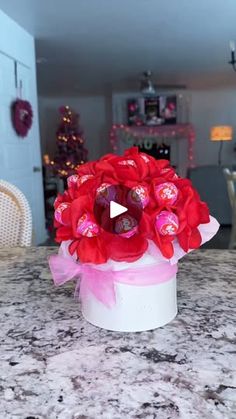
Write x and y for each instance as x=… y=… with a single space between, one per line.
x=137 y=308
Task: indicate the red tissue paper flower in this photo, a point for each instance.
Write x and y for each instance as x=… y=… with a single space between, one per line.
x=171 y=209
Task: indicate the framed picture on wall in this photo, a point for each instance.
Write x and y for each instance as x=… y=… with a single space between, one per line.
x=168 y=109
x=155 y=110
x=135 y=112
x=152 y=111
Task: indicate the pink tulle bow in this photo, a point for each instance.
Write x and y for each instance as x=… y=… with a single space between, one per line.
x=101 y=282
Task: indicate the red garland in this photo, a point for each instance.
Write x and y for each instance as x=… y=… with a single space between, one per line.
x=22 y=117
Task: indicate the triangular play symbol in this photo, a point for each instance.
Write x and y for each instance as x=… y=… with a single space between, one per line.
x=116 y=209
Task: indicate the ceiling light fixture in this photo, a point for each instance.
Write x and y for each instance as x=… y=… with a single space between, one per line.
x=146 y=85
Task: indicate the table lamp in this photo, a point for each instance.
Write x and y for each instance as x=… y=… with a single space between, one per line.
x=221 y=133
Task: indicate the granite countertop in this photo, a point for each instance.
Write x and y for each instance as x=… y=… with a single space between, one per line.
x=55 y=365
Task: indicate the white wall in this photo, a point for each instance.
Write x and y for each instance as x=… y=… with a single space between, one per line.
x=15 y=41
x=95 y=117
x=20 y=159
x=209 y=108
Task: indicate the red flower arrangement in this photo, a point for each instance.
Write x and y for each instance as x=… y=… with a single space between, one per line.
x=22 y=117
x=172 y=209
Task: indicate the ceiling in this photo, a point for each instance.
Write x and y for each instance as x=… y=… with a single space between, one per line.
x=93 y=46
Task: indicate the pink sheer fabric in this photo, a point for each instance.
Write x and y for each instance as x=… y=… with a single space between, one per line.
x=101 y=282
x=101 y=279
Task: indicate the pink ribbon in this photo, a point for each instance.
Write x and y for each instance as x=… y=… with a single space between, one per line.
x=102 y=282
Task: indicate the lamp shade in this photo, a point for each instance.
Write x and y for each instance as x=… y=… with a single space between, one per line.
x=221 y=133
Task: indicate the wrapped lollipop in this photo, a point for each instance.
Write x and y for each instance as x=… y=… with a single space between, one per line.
x=62 y=213
x=105 y=193
x=167 y=223
x=72 y=181
x=86 y=227
x=126 y=226
x=139 y=195
x=166 y=193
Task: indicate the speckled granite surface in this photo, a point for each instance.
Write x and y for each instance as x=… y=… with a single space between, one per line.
x=54 y=365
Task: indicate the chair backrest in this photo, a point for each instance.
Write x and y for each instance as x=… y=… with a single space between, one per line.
x=15 y=217
x=231 y=180
x=211 y=186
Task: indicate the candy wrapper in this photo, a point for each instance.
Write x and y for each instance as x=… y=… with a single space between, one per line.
x=167 y=223
x=139 y=194
x=166 y=193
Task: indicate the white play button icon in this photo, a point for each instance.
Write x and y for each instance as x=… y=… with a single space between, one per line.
x=116 y=209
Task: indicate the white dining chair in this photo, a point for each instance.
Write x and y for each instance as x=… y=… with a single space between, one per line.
x=231 y=182
x=15 y=217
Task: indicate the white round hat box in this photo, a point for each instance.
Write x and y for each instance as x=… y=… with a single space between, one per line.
x=137 y=307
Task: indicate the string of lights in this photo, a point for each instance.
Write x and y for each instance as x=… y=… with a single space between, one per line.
x=138 y=134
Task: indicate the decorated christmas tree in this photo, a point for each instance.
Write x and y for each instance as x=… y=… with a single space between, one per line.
x=71 y=152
